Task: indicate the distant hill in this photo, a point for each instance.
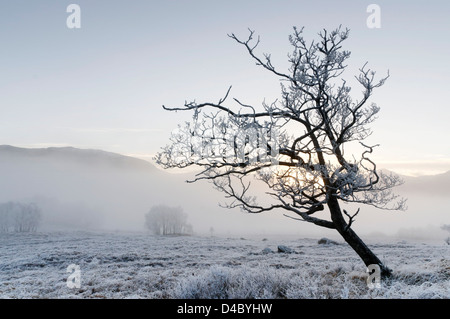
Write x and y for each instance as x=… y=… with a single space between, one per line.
x=80 y=189
x=432 y=185
x=74 y=155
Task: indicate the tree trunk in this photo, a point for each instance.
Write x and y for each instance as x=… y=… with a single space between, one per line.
x=364 y=252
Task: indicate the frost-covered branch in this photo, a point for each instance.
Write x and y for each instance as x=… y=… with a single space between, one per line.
x=293 y=146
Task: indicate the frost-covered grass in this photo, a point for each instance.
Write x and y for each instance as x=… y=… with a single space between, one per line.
x=126 y=265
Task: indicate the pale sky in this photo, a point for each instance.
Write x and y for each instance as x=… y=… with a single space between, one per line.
x=102 y=86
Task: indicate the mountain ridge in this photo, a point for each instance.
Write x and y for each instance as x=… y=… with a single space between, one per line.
x=89 y=156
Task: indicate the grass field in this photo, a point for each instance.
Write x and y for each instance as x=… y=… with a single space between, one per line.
x=138 y=265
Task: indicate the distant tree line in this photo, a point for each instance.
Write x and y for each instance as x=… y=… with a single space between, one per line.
x=164 y=220
x=19 y=217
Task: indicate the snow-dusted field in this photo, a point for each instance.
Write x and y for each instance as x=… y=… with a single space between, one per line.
x=137 y=265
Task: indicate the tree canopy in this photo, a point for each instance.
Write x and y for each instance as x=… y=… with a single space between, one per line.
x=296 y=145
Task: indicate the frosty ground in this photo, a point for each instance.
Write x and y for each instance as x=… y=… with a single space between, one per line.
x=139 y=265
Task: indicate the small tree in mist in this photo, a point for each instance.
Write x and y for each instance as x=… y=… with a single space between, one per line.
x=447 y=228
x=294 y=146
x=164 y=220
x=19 y=217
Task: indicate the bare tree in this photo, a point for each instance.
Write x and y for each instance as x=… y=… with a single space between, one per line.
x=19 y=217
x=164 y=220
x=6 y=216
x=295 y=145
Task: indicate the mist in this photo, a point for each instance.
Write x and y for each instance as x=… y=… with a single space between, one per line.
x=95 y=190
